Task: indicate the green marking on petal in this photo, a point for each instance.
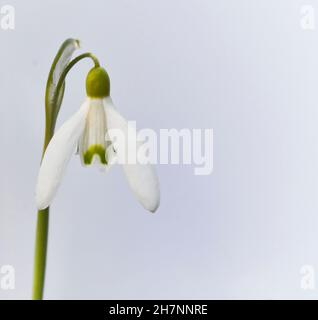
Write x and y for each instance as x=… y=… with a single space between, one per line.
x=93 y=150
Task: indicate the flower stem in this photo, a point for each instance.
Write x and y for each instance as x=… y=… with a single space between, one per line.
x=40 y=253
x=72 y=64
x=42 y=230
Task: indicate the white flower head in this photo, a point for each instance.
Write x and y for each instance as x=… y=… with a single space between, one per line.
x=88 y=130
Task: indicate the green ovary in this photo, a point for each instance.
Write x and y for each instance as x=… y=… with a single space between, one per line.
x=93 y=150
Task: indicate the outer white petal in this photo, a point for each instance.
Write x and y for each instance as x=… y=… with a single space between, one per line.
x=57 y=156
x=142 y=178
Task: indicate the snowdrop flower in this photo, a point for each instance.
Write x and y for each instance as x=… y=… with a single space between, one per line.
x=88 y=132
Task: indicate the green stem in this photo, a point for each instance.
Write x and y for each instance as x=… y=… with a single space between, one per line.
x=42 y=227
x=71 y=65
x=40 y=253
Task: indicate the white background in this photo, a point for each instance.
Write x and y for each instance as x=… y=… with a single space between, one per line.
x=244 y=68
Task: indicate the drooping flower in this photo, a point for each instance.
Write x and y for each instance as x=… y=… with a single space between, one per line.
x=88 y=130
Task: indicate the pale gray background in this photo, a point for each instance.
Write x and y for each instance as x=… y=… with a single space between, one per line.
x=245 y=69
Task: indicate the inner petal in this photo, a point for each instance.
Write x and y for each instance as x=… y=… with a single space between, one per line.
x=93 y=145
